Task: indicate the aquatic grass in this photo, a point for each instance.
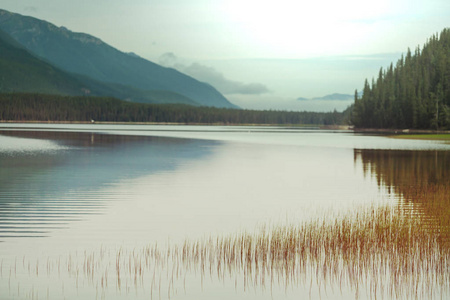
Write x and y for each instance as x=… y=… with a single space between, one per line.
x=384 y=247
x=384 y=251
x=396 y=252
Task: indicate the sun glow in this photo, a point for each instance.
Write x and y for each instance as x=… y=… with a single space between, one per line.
x=286 y=26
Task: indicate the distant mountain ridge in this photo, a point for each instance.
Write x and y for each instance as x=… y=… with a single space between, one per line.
x=21 y=71
x=87 y=55
x=334 y=96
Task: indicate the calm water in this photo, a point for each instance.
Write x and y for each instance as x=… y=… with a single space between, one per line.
x=74 y=196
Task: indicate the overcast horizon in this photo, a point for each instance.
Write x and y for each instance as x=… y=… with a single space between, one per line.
x=259 y=55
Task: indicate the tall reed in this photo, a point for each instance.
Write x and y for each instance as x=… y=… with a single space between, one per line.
x=385 y=251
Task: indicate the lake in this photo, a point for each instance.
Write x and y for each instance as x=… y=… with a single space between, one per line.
x=160 y=212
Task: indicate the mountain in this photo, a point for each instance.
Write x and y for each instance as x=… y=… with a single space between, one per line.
x=21 y=71
x=335 y=96
x=87 y=55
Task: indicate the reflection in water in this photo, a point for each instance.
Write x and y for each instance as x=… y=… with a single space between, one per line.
x=401 y=169
x=421 y=178
x=44 y=190
x=383 y=252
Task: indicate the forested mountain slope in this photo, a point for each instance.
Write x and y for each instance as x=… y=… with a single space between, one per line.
x=87 y=55
x=415 y=93
x=21 y=71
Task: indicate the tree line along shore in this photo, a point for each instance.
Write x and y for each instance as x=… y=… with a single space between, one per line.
x=38 y=108
x=26 y=107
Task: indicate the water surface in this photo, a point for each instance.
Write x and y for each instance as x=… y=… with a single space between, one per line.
x=70 y=190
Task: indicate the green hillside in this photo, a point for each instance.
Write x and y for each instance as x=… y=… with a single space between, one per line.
x=86 y=55
x=20 y=71
x=132 y=94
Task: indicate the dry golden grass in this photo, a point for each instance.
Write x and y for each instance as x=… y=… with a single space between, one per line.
x=387 y=252
x=384 y=249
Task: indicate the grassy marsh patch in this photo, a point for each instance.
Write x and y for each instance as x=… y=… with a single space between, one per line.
x=433 y=137
x=388 y=252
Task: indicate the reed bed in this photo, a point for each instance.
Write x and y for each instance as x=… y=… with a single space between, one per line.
x=386 y=252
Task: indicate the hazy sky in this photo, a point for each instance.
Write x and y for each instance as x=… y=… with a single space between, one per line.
x=260 y=54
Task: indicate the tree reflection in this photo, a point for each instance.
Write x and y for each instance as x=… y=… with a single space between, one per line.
x=420 y=178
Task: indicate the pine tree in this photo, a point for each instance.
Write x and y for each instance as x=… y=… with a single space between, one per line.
x=413 y=94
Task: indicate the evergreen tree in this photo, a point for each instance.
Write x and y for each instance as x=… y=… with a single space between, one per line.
x=38 y=107
x=413 y=94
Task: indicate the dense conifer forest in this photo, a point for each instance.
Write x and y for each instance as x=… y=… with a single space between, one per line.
x=415 y=93
x=54 y=108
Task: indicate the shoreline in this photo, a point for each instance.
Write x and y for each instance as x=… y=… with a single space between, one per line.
x=399 y=132
x=167 y=123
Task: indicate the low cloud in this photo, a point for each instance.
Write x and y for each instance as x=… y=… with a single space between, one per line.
x=213 y=77
x=168 y=60
x=274 y=102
